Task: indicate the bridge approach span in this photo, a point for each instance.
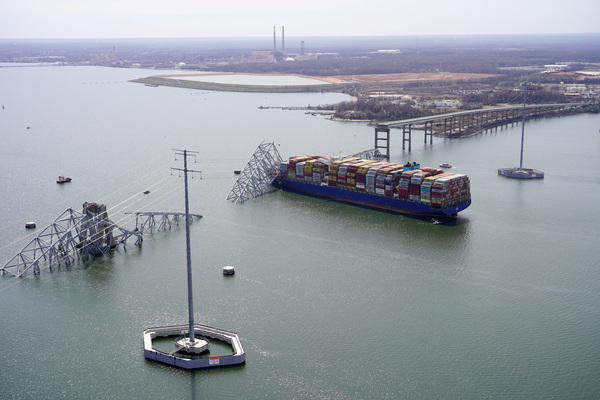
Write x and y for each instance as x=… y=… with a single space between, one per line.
x=466 y=123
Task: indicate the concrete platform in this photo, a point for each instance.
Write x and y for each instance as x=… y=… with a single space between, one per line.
x=518 y=173
x=238 y=356
x=198 y=346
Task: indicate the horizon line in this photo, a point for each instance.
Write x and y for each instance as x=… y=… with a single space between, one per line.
x=298 y=36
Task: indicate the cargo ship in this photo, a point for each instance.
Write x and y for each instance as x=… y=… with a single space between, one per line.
x=398 y=188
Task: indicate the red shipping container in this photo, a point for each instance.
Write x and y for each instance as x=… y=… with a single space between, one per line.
x=403 y=193
x=414 y=188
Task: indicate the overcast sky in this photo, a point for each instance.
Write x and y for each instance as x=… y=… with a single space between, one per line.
x=227 y=18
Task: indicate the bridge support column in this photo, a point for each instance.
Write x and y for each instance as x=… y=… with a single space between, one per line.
x=428 y=132
x=382 y=140
x=406 y=129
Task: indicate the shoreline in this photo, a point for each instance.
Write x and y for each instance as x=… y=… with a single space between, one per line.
x=335 y=83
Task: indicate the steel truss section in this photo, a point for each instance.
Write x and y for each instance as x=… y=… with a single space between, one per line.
x=72 y=234
x=257 y=176
x=373 y=154
x=150 y=220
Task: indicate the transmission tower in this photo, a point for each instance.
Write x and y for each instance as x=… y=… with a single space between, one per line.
x=189 y=344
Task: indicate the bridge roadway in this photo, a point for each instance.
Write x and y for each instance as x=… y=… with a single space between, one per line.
x=464 y=123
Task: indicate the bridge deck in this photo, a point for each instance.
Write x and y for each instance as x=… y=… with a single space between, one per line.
x=422 y=120
x=463 y=123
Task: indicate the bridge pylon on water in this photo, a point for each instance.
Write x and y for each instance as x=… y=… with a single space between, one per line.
x=256 y=178
x=71 y=235
x=152 y=220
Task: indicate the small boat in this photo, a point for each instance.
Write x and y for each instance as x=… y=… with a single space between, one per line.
x=445 y=165
x=237 y=171
x=30 y=225
x=63 y=179
x=146 y=192
x=435 y=221
x=228 y=270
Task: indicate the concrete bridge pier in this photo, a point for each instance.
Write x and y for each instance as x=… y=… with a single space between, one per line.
x=471 y=121
x=406 y=129
x=382 y=141
x=428 y=132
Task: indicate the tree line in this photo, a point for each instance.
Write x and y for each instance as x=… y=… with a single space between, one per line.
x=370 y=109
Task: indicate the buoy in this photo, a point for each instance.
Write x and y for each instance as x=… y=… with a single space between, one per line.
x=30 y=225
x=228 y=270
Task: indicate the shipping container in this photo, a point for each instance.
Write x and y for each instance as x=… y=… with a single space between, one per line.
x=414 y=189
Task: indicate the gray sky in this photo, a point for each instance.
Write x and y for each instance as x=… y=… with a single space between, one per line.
x=226 y=18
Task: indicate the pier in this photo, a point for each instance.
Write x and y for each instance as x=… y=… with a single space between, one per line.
x=465 y=123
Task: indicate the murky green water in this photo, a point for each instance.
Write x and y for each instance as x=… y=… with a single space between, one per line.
x=329 y=300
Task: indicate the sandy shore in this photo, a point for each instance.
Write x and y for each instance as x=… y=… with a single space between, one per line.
x=341 y=79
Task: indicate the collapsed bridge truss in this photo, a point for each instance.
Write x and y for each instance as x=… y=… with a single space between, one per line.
x=150 y=220
x=72 y=234
x=258 y=174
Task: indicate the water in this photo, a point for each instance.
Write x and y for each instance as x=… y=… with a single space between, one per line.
x=329 y=300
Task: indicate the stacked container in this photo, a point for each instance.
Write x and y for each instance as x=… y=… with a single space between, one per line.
x=361 y=174
x=449 y=189
x=308 y=171
x=409 y=181
x=320 y=170
x=308 y=165
x=334 y=171
x=293 y=169
x=390 y=178
x=351 y=176
x=371 y=176
x=300 y=170
x=382 y=177
x=404 y=183
x=283 y=169
x=414 y=189
x=426 y=189
x=342 y=175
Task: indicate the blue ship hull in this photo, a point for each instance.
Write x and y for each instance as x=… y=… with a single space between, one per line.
x=395 y=205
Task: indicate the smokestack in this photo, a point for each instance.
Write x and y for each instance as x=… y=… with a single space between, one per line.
x=283 y=39
x=302 y=47
x=274 y=40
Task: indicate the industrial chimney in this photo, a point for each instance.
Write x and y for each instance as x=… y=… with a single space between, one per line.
x=274 y=40
x=283 y=39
